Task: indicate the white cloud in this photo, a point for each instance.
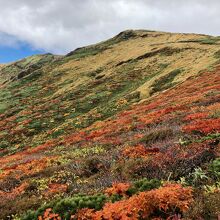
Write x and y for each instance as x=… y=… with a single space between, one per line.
x=61 y=25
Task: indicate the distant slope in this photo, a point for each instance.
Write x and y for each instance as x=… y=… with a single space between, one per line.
x=142 y=104
x=24 y=67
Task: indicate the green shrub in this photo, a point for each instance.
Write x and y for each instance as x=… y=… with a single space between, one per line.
x=210 y=40
x=215 y=167
x=85 y=52
x=68 y=206
x=155 y=136
x=217 y=54
x=4 y=144
x=36 y=125
x=144 y=185
x=116 y=197
x=30 y=215
x=57 y=133
x=165 y=82
x=198 y=177
x=3 y=107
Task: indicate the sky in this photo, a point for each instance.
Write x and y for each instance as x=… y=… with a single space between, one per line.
x=59 y=26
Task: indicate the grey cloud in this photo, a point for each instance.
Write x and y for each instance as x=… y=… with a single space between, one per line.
x=8 y=41
x=61 y=25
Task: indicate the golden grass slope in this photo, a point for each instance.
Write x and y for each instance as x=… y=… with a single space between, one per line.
x=193 y=55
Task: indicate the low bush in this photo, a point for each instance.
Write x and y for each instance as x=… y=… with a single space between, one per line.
x=154 y=136
x=68 y=206
x=215 y=168
x=217 y=54
x=165 y=82
x=144 y=185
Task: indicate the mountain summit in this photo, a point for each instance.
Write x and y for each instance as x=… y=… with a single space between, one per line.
x=124 y=129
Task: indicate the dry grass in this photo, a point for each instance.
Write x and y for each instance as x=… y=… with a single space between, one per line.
x=194 y=57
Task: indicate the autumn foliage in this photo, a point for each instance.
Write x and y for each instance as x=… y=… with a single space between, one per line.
x=118 y=188
x=18 y=191
x=49 y=215
x=170 y=199
x=203 y=126
x=55 y=188
x=139 y=151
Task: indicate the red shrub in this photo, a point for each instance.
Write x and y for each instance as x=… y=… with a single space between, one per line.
x=75 y=138
x=203 y=126
x=199 y=115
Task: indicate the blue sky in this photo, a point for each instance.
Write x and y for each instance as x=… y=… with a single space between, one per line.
x=10 y=53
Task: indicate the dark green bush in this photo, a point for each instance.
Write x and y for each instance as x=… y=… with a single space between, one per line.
x=215 y=167
x=36 y=125
x=57 y=133
x=68 y=206
x=115 y=198
x=144 y=185
x=210 y=40
x=4 y=144
x=217 y=54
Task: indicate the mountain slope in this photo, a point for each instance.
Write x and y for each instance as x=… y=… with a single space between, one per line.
x=140 y=105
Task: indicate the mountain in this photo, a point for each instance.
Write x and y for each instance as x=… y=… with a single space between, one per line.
x=124 y=129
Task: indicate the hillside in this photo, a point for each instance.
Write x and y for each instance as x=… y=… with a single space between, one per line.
x=140 y=111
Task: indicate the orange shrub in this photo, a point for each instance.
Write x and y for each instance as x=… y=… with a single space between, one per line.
x=118 y=188
x=169 y=199
x=14 y=193
x=75 y=138
x=55 y=188
x=27 y=168
x=49 y=215
x=84 y=214
x=139 y=151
